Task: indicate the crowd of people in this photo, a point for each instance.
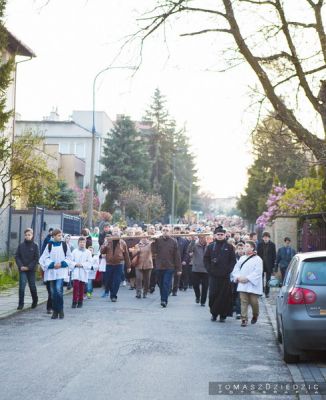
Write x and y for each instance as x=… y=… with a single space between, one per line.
x=231 y=268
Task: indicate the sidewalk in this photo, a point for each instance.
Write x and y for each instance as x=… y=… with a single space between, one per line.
x=305 y=371
x=9 y=299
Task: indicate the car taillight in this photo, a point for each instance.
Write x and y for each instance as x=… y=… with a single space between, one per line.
x=301 y=296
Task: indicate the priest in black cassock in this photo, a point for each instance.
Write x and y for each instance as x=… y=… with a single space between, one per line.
x=219 y=261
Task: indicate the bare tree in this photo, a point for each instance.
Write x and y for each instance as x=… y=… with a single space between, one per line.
x=284 y=42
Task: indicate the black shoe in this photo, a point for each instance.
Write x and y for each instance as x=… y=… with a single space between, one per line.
x=266 y=295
x=238 y=316
x=49 y=311
x=222 y=319
x=138 y=296
x=34 y=304
x=114 y=300
x=203 y=304
x=80 y=304
x=254 y=320
x=243 y=323
x=20 y=307
x=131 y=288
x=151 y=290
x=54 y=315
x=163 y=304
x=61 y=315
x=74 y=304
x=213 y=318
x=197 y=300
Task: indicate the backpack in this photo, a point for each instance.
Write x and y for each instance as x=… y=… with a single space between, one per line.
x=64 y=247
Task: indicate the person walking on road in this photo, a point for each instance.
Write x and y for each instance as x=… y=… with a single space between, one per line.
x=182 y=247
x=267 y=252
x=143 y=266
x=284 y=256
x=116 y=254
x=248 y=273
x=239 y=252
x=196 y=251
x=219 y=261
x=81 y=263
x=168 y=262
x=27 y=256
x=55 y=262
x=47 y=239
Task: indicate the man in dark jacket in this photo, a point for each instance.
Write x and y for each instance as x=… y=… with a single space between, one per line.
x=182 y=247
x=219 y=260
x=167 y=256
x=27 y=257
x=47 y=240
x=284 y=256
x=267 y=252
x=104 y=234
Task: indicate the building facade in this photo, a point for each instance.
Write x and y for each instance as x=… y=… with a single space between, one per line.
x=17 y=49
x=72 y=142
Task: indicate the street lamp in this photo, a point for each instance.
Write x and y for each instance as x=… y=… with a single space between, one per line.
x=92 y=175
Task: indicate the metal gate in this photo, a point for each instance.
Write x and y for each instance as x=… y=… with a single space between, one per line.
x=312 y=232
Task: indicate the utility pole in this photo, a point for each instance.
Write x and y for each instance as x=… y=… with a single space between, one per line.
x=190 y=194
x=92 y=170
x=173 y=192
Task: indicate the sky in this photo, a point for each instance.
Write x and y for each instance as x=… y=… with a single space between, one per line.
x=75 y=39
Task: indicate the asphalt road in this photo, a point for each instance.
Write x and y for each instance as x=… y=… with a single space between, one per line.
x=133 y=349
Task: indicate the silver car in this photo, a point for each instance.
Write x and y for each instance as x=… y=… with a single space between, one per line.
x=301 y=306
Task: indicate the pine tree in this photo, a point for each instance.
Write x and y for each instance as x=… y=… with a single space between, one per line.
x=125 y=160
x=159 y=140
x=169 y=147
x=6 y=67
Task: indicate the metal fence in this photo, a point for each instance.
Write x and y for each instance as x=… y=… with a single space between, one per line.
x=312 y=232
x=40 y=220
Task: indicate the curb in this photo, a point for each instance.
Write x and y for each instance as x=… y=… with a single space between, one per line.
x=28 y=307
x=295 y=372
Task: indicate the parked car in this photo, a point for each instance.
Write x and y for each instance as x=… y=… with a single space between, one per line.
x=301 y=306
x=97 y=282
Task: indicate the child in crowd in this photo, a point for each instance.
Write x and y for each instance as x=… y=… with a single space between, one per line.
x=92 y=273
x=81 y=263
x=27 y=257
x=55 y=262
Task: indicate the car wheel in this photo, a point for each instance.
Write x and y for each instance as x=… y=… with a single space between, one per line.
x=287 y=356
x=279 y=334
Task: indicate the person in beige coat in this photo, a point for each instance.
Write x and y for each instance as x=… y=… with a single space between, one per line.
x=142 y=258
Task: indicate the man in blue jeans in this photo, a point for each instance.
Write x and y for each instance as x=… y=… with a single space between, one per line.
x=55 y=261
x=168 y=261
x=116 y=253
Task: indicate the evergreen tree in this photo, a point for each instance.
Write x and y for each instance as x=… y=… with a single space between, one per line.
x=6 y=68
x=125 y=160
x=252 y=203
x=65 y=198
x=169 y=152
x=279 y=160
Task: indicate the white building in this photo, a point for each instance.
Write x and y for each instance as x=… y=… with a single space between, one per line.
x=73 y=136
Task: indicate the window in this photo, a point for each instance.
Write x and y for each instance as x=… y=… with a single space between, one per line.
x=80 y=150
x=79 y=180
x=313 y=272
x=64 y=148
x=289 y=272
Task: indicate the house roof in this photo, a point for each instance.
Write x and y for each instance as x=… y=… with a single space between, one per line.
x=18 y=47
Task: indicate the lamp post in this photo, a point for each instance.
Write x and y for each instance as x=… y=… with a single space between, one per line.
x=92 y=172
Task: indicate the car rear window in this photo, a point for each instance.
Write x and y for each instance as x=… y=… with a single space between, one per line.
x=313 y=272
